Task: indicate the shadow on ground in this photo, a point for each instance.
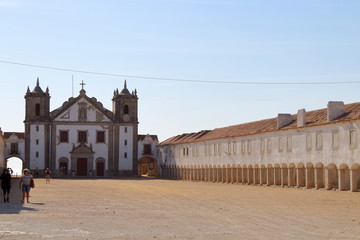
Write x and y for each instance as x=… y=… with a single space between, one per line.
x=15 y=206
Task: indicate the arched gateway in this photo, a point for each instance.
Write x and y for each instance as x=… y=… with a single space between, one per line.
x=147 y=166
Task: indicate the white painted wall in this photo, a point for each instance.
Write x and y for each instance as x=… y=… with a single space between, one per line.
x=21 y=145
x=37 y=162
x=64 y=149
x=147 y=140
x=126 y=163
x=343 y=154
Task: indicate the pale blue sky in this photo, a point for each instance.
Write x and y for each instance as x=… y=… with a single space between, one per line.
x=210 y=40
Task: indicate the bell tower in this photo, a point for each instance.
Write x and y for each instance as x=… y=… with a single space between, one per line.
x=37 y=128
x=125 y=109
x=37 y=104
x=125 y=106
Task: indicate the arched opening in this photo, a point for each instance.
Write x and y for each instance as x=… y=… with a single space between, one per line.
x=173 y=172
x=206 y=173
x=233 y=174
x=244 y=174
x=256 y=174
x=270 y=175
x=191 y=173
x=344 y=177
x=218 y=173
x=319 y=176
x=291 y=175
x=300 y=174
x=284 y=175
x=355 y=177
x=238 y=174
x=177 y=172
x=197 y=173
x=37 y=109
x=16 y=165
x=331 y=177
x=277 y=174
x=147 y=167
x=228 y=174
x=126 y=109
x=211 y=175
x=223 y=174
x=310 y=175
x=202 y=173
x=63 y=166
x=214 y=173
x=250 y=177
x=263 y=174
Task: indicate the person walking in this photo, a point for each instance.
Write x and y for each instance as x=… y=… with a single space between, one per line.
x=47 y=175
x=6 y=184
x=26 y=182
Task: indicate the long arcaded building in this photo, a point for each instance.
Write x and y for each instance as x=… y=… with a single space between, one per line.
x=316 y=149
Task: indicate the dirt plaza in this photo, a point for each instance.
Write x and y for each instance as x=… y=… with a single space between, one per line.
x=164 y=209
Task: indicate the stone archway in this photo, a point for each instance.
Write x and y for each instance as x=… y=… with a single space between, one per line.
x=256 y=174
x=277 y=174
x=16 y=164
x=300 y=175
x=331 y=176
x=292 y=175
x=319 y=175
x=147 y=167
x=309 y=175
x=344 y=177
x=63 y=166
x=355 y=177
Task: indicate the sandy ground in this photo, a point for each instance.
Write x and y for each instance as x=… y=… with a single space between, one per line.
x=161 y=209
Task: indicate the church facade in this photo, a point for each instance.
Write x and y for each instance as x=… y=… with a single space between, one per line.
x=316 y=149
x=81 y=138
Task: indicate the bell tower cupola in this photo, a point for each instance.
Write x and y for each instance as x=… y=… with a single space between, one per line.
x=37 y=104
x=125 y=106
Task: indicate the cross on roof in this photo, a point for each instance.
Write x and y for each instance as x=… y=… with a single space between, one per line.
x=82 y=84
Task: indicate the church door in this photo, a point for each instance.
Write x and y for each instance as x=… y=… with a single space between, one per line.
x=63 y=168
x=100 y=167
x=82 y=166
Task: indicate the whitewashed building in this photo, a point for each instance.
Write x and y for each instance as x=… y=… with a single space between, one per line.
x=147 y=163
x=81 y=137
x=316 y=149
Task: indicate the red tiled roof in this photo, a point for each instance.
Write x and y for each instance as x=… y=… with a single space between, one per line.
x=313 y=118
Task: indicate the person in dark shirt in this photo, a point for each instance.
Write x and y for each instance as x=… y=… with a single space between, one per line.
x=6 y=184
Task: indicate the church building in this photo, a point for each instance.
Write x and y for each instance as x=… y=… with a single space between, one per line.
x=81 y=138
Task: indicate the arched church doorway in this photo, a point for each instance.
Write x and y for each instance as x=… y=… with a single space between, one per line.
x=147 y=167
x=16 y=164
